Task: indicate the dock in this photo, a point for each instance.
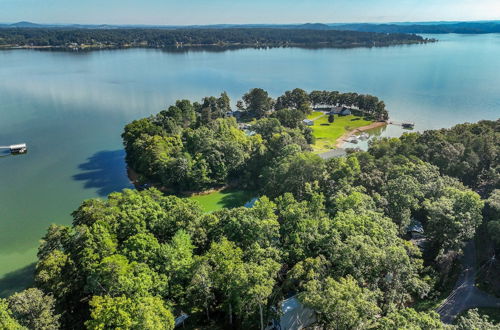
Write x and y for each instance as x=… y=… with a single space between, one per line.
x=405 y=124
x=20 y=148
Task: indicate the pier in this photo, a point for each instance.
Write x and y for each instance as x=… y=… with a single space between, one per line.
x=406 y=125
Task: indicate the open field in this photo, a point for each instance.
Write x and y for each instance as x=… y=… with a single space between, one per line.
x=226 y=198
x=327 y=134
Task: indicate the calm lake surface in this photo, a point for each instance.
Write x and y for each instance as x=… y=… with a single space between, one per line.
x=71 y=107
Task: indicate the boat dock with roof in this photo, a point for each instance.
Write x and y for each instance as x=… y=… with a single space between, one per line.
x=20 y=148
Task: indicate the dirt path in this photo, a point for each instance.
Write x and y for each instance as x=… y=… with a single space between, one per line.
x=466 y=295
x=316 y=118
x=340 y=141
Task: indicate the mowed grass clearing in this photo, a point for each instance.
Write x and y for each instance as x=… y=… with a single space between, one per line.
x=226 y=198
x=327 y=134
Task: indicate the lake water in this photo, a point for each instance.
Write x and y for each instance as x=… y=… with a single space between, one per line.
x=71 y=107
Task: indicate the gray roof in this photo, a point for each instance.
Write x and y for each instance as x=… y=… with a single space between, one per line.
x=334 y=153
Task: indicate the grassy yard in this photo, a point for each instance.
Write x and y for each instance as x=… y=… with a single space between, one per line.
x=223 y=199
x=326 y=134
x=315 y=114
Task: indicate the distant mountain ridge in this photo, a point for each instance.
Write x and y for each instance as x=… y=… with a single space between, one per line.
x=398 y=27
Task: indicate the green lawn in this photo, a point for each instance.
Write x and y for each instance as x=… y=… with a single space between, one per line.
x=223 y=199
x=326 y=134
x=314 y=114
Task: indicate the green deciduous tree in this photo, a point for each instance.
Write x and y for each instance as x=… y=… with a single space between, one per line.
x=296 y=99
x=492 y=214
x=410 y=319
x=292 y=173
x=34 y=310
x=341 y=304
x=472 y=320
x=291 y=118
x=116 y=276
x=7 y=322
x=257 y=102
x=453 y=217
x=331 y=118
x=125 y=313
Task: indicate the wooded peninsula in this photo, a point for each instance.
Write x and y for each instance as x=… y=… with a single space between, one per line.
x=67 y=38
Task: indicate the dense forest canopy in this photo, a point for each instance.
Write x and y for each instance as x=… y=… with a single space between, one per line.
x=334 y=233
x=157 y=38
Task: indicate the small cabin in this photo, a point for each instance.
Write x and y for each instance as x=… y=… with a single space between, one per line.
x=345 y=112
x=415 y=229
x=416 y=234
x=236 y=114
x=308 y=122
x=335 y=111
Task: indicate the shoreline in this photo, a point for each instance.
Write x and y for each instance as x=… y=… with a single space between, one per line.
x=217 y=46
x=133 y=177
x=341 y=140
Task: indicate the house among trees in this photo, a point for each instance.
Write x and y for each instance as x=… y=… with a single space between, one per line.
x=294 y=315
x=308 y=122
x=415 y=229
x=345 y=112
x=417 y=234
x=341 y=111
x=236 y=114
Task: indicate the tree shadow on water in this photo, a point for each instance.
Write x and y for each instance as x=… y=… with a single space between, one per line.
x=105 y=171
x=17 y=280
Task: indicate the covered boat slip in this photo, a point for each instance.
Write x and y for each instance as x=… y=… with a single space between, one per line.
x=20 y=148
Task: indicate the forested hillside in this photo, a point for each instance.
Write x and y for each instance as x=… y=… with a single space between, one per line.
x=430 y=28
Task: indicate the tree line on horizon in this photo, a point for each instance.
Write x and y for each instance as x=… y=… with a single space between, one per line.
x=159 y=38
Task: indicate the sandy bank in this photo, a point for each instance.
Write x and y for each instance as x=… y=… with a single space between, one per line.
x=341 y=140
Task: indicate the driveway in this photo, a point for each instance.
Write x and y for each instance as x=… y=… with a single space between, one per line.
x=466 y=295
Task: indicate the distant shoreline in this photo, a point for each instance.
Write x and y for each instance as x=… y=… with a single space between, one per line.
x=90 y=39
x=211 y=46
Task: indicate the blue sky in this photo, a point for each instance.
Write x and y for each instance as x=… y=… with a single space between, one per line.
x=185 y=12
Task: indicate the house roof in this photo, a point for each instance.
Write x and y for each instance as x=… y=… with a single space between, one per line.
x=334 y=153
